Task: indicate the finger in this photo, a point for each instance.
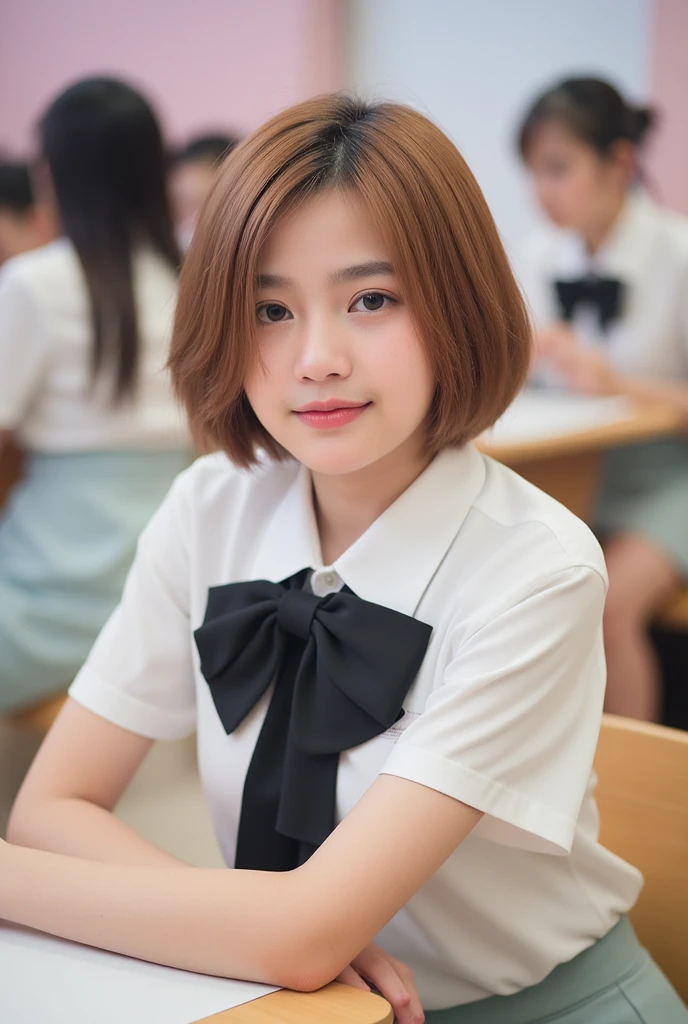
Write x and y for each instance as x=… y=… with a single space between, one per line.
x=351 y=977
x=399 y=992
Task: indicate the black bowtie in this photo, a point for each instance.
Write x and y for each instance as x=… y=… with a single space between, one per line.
x=341 y=668
x=605 y=294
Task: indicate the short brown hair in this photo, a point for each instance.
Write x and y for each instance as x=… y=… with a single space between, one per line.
x=443 y=244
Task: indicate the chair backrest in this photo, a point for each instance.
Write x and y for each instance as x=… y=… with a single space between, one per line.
x=39 y=717
x=642 y=795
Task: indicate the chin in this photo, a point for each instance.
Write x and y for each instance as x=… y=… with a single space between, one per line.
x=334 y=460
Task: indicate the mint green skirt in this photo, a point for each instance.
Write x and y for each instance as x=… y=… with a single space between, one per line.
x=67 y=538
x=644 y=490
x=615 y=981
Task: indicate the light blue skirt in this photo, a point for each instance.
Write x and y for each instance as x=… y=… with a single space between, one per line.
x=644 y=490
x=67 y=538
x=614 y=981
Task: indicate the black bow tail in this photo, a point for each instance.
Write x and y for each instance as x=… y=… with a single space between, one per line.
x=260 y=845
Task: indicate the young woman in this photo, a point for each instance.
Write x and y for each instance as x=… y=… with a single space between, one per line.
x=390 y=646
x=607 y=280
x=84 y=336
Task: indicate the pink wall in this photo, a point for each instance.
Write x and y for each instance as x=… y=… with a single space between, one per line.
x=668 y=159
x=205 y=63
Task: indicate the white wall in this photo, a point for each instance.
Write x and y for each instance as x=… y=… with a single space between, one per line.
x=473 y=66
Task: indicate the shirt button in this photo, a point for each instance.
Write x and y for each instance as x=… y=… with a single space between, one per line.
x=329 y=579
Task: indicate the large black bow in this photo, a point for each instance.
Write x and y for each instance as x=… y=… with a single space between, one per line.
x=341 y=668
x=605 y=294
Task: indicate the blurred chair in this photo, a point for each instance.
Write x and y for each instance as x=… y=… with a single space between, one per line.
x=10 y=468
x=39 y=717
x=642 y=795
x=675 y=614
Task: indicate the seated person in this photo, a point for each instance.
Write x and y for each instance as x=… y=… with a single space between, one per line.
x=193 y=172
x=24 y=223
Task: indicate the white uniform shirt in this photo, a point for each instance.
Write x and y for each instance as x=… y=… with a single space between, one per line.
x=45 y=358
x=504 y=713
x=648 y=251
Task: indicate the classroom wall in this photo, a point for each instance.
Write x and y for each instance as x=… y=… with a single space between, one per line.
x=206 y=63
x=473 y=67
x=668 y=157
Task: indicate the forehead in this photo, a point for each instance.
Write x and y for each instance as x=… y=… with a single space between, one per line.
x=554 y=138
x=325 y=231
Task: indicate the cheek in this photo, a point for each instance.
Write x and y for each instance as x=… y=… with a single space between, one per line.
x=403 y=369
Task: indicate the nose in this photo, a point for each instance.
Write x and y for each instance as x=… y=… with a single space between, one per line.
x=322 y=350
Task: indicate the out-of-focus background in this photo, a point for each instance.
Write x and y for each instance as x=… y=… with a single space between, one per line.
x=218 y=68
x=472 y=67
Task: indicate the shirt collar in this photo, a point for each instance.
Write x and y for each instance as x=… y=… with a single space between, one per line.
x=394 y=561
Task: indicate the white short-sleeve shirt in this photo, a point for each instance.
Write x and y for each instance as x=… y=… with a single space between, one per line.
x=647 y=251
x=46 y=396
x=504 y=713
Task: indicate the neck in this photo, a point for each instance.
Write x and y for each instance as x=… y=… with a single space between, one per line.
x=595 y=235
x=345 y=506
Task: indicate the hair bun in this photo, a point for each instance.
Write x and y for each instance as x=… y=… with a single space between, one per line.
x=641 y=120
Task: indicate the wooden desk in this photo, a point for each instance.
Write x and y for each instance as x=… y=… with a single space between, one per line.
x=567 y=465
x=335 y=1004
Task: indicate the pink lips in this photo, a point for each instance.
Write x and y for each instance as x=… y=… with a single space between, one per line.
x=330 y=414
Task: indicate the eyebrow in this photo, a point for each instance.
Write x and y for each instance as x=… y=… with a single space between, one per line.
x=373 y=268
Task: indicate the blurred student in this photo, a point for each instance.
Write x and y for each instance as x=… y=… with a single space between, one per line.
x=24 y=223
x=84 y=330
x=607 y=281
x=194 y=168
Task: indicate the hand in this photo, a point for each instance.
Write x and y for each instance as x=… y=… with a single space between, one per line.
x=587 y=370
x=391 y=978
x=552 y=340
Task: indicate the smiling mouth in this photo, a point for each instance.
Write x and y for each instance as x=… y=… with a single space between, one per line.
x=330 y=415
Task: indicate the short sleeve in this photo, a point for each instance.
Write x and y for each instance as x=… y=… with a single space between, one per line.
x=23 y=347
x=512 y=729
x=139 y=674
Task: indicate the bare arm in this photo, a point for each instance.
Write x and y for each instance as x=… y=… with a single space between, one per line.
x=588 y=370
x=82 y=768
x=660 y=391
x=298 y=928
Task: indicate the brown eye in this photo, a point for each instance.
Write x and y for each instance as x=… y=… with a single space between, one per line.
x=272 y=313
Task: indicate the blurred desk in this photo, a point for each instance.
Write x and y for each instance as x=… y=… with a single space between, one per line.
x=556 y=441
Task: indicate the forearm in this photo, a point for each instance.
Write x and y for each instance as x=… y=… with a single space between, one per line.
x=661 y=392
x=82 y=829
x=212 y=921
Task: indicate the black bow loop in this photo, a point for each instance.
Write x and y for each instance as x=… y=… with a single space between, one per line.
x=351 y=684
x=341 y=668
x=604 y=294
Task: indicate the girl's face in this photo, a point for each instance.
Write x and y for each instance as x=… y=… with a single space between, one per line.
x=575 y=186
x=345 y=380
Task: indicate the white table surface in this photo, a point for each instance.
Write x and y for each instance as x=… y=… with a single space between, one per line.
x=540 y=415
x=45 y=980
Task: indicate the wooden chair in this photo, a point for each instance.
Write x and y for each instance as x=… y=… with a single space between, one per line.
x=642 y=795
x=39 y=717
x=675 y=615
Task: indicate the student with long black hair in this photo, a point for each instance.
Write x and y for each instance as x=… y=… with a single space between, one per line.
x=84 y=331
